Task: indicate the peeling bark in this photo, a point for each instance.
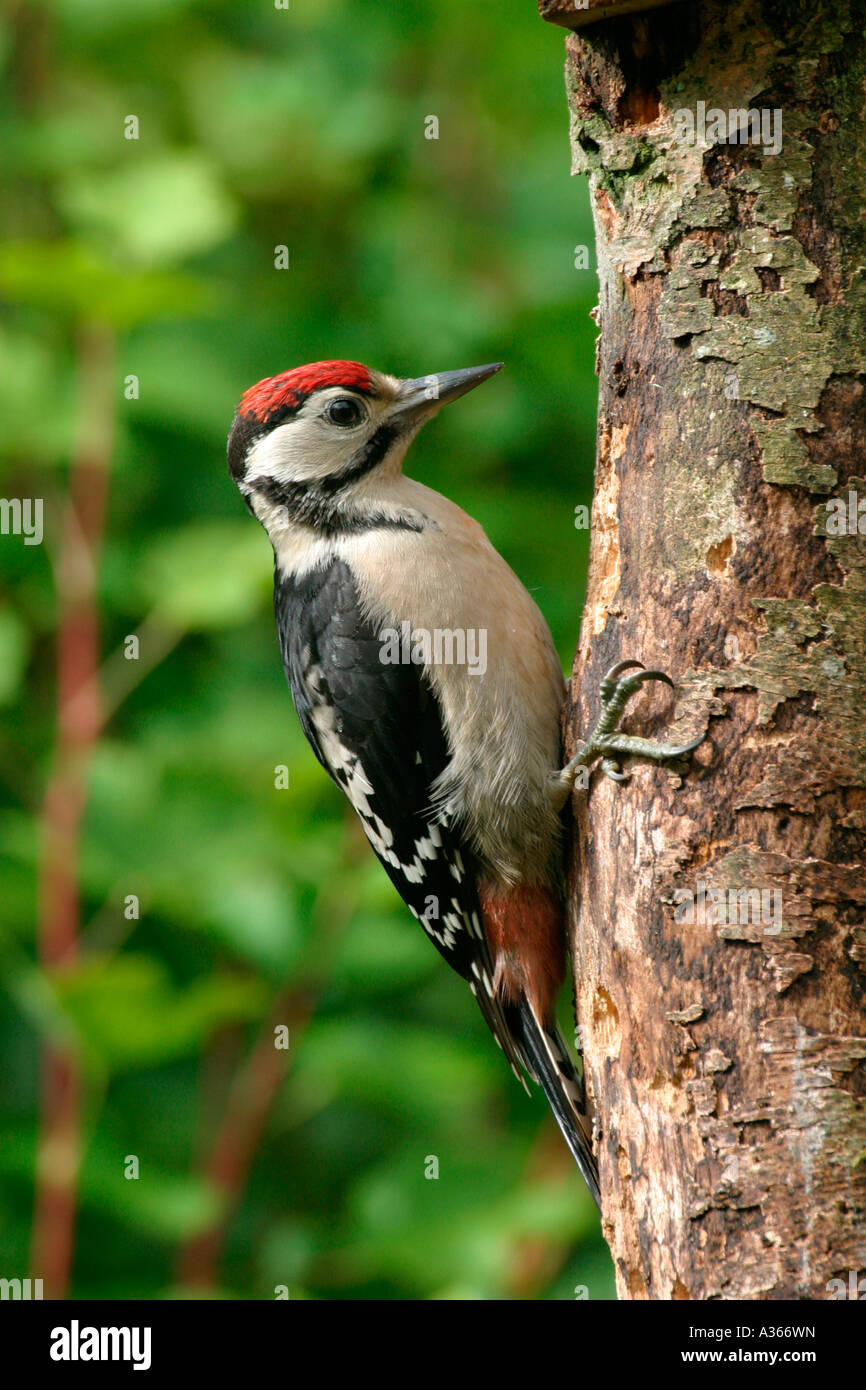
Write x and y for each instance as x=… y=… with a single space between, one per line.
x=725 y=1055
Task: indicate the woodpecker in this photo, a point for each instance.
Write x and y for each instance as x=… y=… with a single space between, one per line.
x=453 y=765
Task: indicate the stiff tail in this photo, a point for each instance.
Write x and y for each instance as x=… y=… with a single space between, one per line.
x=544 y=1052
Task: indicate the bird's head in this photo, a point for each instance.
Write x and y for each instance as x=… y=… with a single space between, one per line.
x=307 y=439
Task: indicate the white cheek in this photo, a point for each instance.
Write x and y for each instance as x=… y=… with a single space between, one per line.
x=303 y=451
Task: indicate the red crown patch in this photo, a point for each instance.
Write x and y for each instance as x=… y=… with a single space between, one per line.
x=289 y=390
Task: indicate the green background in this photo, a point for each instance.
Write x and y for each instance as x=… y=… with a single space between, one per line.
x=262 y=127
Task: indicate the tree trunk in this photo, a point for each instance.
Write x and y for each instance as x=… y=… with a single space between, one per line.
x=718 y=921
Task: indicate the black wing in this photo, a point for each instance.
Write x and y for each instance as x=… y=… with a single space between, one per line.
x=377 y=730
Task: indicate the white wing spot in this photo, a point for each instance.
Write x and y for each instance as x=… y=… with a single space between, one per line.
x=425 y=848
x=347 y=767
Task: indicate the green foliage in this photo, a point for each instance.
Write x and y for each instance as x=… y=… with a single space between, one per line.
x=75 y=280
x=125 y=1011
x=261 y=128
x=204 y=575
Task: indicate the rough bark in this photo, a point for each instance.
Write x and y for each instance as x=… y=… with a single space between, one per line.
x=726 y=1058
x=575 y=14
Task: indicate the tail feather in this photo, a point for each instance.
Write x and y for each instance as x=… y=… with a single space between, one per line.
x=546 y=1058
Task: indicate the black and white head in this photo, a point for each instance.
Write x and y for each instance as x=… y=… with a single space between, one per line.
x=307 y=444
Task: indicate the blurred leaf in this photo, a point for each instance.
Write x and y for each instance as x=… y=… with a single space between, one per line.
x=128 y=1013
x=165 y=1205
x=405 y=1068
x=161 y=1204
x=105 y=17
x=209 y=574
x=466 y=1223
x=287 y=126
x=14 y=648
x=255 y=916
x=31 y=372
x=72 y=279
x=382 y=953
x=156 y=211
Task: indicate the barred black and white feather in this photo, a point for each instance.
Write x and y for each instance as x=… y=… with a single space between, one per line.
x=377 y=730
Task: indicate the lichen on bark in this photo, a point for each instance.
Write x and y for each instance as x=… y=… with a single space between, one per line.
x=726 y=1058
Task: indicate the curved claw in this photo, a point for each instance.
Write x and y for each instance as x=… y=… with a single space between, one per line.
x=611 y=769
x=630 y=685
x=686 y=748
x=616 y=671
x=654 y=676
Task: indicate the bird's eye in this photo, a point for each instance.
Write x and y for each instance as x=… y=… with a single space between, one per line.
x=343 y=410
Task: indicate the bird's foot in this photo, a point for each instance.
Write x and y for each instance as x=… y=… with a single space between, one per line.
x=607 y=741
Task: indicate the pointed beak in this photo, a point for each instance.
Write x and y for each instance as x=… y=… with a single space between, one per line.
x=422 y=396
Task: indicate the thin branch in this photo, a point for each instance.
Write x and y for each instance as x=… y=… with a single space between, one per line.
x=118 y=677
x=252 y=1094
x=79 y=718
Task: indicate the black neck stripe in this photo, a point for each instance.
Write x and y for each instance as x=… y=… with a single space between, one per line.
x=311 y=507
x=316 y=504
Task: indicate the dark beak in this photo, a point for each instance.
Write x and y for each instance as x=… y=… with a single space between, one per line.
x=421 y=396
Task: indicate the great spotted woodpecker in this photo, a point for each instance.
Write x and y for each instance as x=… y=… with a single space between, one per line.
x=453 y=765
